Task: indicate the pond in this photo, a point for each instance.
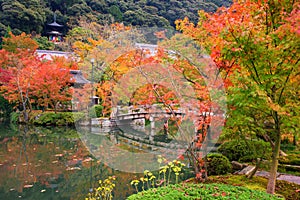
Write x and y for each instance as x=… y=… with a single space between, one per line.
x=53 y=163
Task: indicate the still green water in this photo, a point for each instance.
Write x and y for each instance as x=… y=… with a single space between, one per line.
x=52 y=163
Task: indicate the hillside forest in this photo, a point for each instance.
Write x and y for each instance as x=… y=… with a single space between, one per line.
x=32 y=16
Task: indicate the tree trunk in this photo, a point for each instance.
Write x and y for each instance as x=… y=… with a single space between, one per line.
x=25 y=113
x=268 y=139
x=258 y=161
x=273 y=172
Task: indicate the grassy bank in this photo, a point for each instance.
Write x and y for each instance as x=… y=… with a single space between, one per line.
x=288 y=190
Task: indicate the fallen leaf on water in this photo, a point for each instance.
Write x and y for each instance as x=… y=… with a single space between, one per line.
x=88 y=159
x=73 y=168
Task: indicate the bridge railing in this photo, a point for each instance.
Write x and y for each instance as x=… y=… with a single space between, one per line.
x=155 y=108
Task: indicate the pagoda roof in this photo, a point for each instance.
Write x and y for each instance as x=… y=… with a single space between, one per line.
x=54 y=33
x=55 y=24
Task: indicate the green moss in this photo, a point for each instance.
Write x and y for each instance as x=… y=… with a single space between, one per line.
x=256 y=183
x=284 y=188
x=201 y=191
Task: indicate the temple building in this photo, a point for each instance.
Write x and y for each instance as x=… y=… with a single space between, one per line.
x=77 y=76
x=55 y=34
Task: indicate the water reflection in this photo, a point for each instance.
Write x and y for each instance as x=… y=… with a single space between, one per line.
x=128 y=149
x=51 y=163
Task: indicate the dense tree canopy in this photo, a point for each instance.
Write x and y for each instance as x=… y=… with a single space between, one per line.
x=22 y=16
x=26 y=79
x=256 y=46
x=32 y=15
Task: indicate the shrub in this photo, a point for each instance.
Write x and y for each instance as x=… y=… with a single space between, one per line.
x=245 y=150
x=201 y=191
x=287 y=147
x=218 y=164
x=96 y=111
x=44 y=43
x=14 y=117
x=58 y=119
x=77 y=116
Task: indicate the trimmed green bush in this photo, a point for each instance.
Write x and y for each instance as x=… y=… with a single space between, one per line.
x=57 y=119
x=245 y=150
x=96 y=111
x=201 y=191
x=218 y=164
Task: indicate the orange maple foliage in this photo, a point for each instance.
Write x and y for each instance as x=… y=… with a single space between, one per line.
x=27 y=79
x=51 y=85
x=15 y=43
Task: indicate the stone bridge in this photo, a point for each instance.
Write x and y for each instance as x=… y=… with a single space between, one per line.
x=138 y=114
x=148 y=114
